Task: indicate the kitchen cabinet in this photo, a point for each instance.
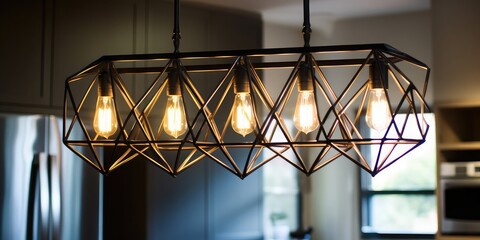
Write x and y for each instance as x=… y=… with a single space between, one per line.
x=44 y=42
x=87 y=30
x=458 y=140
x=204 y=202
x=25 y=59
x=458 y=135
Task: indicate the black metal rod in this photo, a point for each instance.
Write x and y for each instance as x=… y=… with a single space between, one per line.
x=307 y=30
x=176 y=28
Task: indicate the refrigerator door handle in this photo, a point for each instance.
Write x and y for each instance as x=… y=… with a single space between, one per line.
x=31 y=196
x=39 y=176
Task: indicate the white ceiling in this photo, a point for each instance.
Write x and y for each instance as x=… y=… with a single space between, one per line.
x=290 y=11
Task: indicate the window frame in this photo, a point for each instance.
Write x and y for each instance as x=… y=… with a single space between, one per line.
x=366 y=198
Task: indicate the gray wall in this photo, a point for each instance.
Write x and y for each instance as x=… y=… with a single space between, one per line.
x=456 y=35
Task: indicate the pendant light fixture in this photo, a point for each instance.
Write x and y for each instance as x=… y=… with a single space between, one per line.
x=95 y=129
x=328 y=93
x=234 y=140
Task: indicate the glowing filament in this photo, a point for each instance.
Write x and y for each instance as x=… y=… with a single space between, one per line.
x=105 y=120
x=306 y=117
x=175 y=122
x=243 y=121
x=378 y=115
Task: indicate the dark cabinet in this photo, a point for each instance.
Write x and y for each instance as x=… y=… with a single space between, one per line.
x=87 y=30
x=205 y=202
x=44 y=42
x=25 y=59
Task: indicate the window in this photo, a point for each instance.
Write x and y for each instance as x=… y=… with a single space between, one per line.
x=401 y=199
x=281 y=198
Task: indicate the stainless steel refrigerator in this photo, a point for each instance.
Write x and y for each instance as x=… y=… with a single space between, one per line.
x=46 y=192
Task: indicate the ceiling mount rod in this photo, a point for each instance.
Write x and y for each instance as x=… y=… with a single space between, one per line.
x=176 y=28
x=306 y=23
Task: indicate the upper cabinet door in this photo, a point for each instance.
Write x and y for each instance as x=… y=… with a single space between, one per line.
x=88 y=29
x=25 y=30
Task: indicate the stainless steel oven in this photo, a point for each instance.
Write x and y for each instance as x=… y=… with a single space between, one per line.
x=460 y=198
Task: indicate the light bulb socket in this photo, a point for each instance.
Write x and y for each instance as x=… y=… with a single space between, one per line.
x=378 y=74
x=173 y=85
x=105 y=87
x=305 y=78
x=241 y=83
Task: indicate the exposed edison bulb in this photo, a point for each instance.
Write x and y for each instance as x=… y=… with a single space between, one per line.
x=242 y=121
x=305 y=117
x=105 y=120
x=175 y=121
x=378 y=115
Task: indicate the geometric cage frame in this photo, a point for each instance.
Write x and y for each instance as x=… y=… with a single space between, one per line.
x=338 y=133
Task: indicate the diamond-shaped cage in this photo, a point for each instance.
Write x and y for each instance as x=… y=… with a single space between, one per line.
x=375 y=150
x=149 y=139
x=239 y=154
x=307 y=151
x=81 y=94
x=371 y=150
